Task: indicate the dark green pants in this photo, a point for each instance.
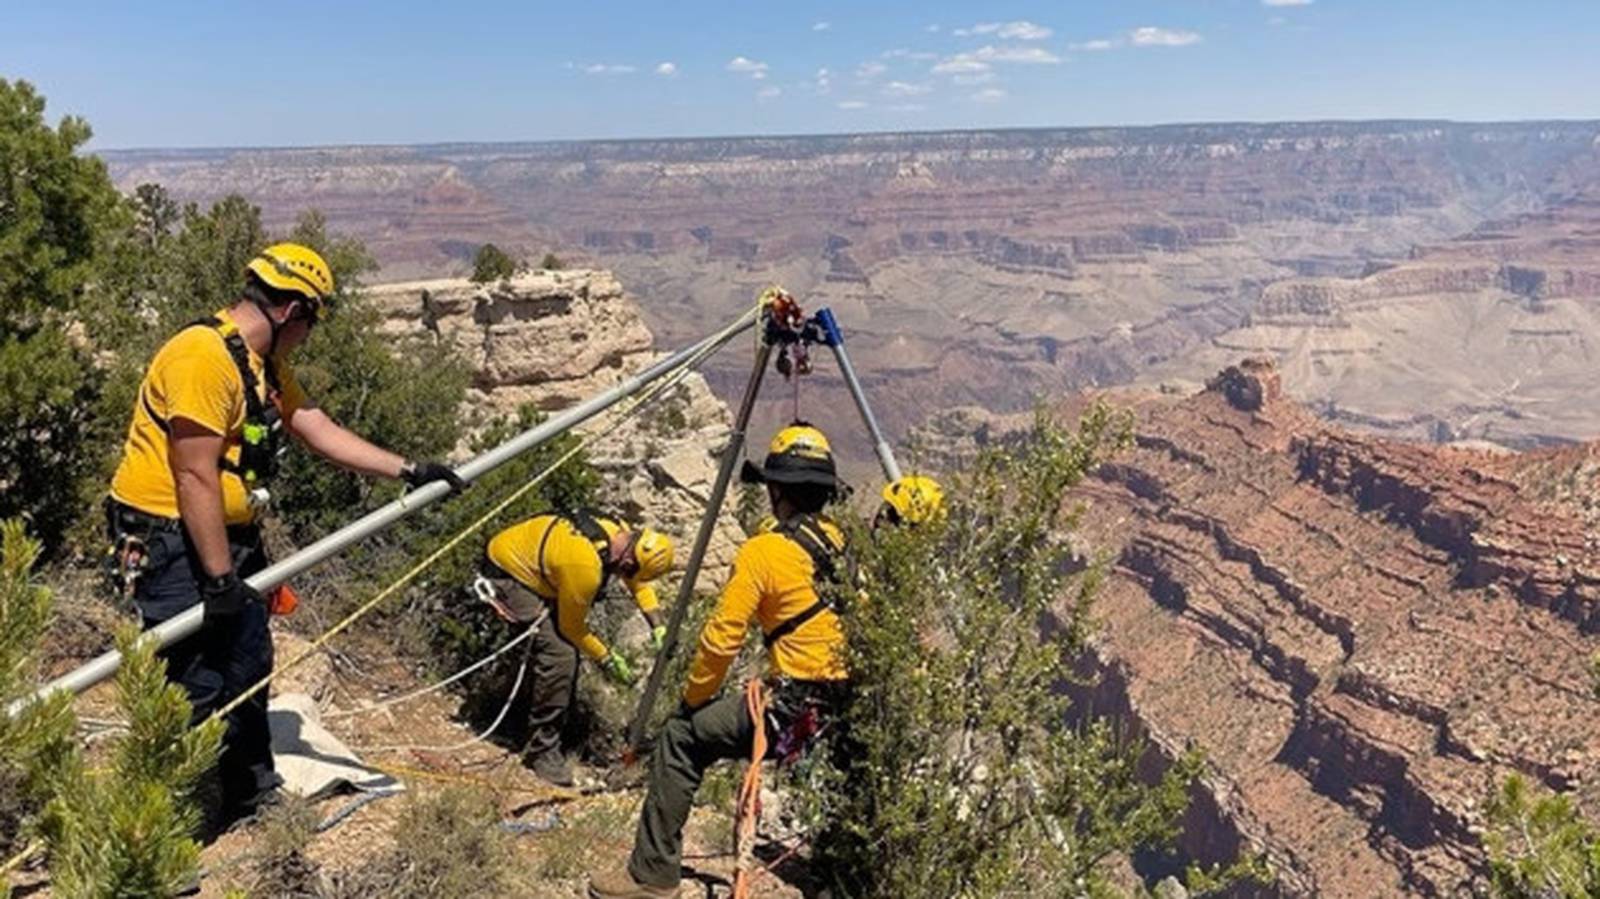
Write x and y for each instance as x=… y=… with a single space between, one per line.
x=552 y=674
x=688 y=745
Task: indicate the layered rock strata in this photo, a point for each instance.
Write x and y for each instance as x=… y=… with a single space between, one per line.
x=1364 y=636
x=552 y=339
x=993 y=267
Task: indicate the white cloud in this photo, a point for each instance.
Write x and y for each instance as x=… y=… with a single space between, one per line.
x=989 y=95
x=1026 y=55
x=1276 y=21
x=745 y=66
x=905 y=89
x=1024 y=31
x=870 y=70
x=601 y=68
x=852 y=104
x=667 y=69
x=908 y=107
x=932 y=29
x=823 y=82
x=961 y=64
x=1012 y=31
x=1161 y=37
x=1096 y=45
x=903 y=53
x=975 y=78
x=977 y=61
x=1287 y=2
x=821 y=26
x=767 y=93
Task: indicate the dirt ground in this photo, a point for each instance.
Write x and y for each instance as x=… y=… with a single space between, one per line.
x=558 y=836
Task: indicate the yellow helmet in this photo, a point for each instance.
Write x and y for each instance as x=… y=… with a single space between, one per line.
x=798 y=454
x=294 y=268
x=914 y=499
x=652 y=550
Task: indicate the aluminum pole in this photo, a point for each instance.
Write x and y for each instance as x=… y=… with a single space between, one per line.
x=189 y=621
x=697 y=556
x=834 y=338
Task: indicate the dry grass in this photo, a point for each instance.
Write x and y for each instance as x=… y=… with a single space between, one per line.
x=446 y=843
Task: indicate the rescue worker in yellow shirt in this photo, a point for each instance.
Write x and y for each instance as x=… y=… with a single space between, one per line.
x=775 y=584
x=561 y=564
x=182 y=512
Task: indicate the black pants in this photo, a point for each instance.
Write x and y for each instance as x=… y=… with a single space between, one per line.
x=553 y=681
x=220 y=661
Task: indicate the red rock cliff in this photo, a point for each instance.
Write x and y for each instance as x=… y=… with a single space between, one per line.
x=1365 y=636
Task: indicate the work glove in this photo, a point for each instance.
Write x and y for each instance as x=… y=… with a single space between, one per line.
x=427 y=471
x=618 y=669
x=658 y=637
x=226 y=596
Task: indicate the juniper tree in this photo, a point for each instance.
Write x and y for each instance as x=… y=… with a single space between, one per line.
x=964 y=773
x=55 y=208
x=492 y=264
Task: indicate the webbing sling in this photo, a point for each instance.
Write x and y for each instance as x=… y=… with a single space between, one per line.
x=806 y=530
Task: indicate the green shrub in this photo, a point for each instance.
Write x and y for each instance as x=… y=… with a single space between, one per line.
x=33 y=742
x=1540 y=847
x=56 y=208
x=128 y=830
x=964 y=777
x=492 y=264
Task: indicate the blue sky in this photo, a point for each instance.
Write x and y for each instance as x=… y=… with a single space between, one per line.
x=162 y=73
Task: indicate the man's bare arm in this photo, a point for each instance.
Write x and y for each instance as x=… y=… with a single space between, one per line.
x=193 y=453
x=328 y=439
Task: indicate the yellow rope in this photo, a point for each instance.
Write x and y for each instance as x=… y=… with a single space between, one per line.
x=657 y=389
x=16 y=860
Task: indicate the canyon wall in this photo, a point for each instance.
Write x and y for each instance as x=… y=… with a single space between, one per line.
x=549 y=340
x=993 y=267
x=1364 y=636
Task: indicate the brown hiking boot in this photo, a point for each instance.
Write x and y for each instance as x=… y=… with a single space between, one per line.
x=617 y=883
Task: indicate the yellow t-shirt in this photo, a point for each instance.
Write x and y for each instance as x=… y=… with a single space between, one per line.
x=569 y=572
x=194 y=377
x=773 y=580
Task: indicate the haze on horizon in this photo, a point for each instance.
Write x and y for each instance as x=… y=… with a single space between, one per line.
x=175 y=74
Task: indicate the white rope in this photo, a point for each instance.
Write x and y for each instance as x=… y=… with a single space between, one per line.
x=434 y=688
x=511 y=699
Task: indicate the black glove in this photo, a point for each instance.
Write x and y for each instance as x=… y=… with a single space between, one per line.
x=427 y=471
x=226 y=595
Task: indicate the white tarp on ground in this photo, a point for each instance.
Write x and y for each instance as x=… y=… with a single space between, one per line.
x=312 y=761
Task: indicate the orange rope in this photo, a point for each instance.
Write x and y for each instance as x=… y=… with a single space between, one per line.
x=748 y=813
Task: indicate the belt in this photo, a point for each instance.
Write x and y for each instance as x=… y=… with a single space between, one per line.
x=126 y=517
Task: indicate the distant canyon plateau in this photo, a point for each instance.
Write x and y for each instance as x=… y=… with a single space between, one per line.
x=1427 y=280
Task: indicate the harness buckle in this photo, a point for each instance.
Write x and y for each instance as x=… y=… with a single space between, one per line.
x=126 y=561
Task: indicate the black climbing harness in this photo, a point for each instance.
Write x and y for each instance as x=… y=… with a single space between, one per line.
x=832 y=566
x=261 y=437
x=587 y=523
